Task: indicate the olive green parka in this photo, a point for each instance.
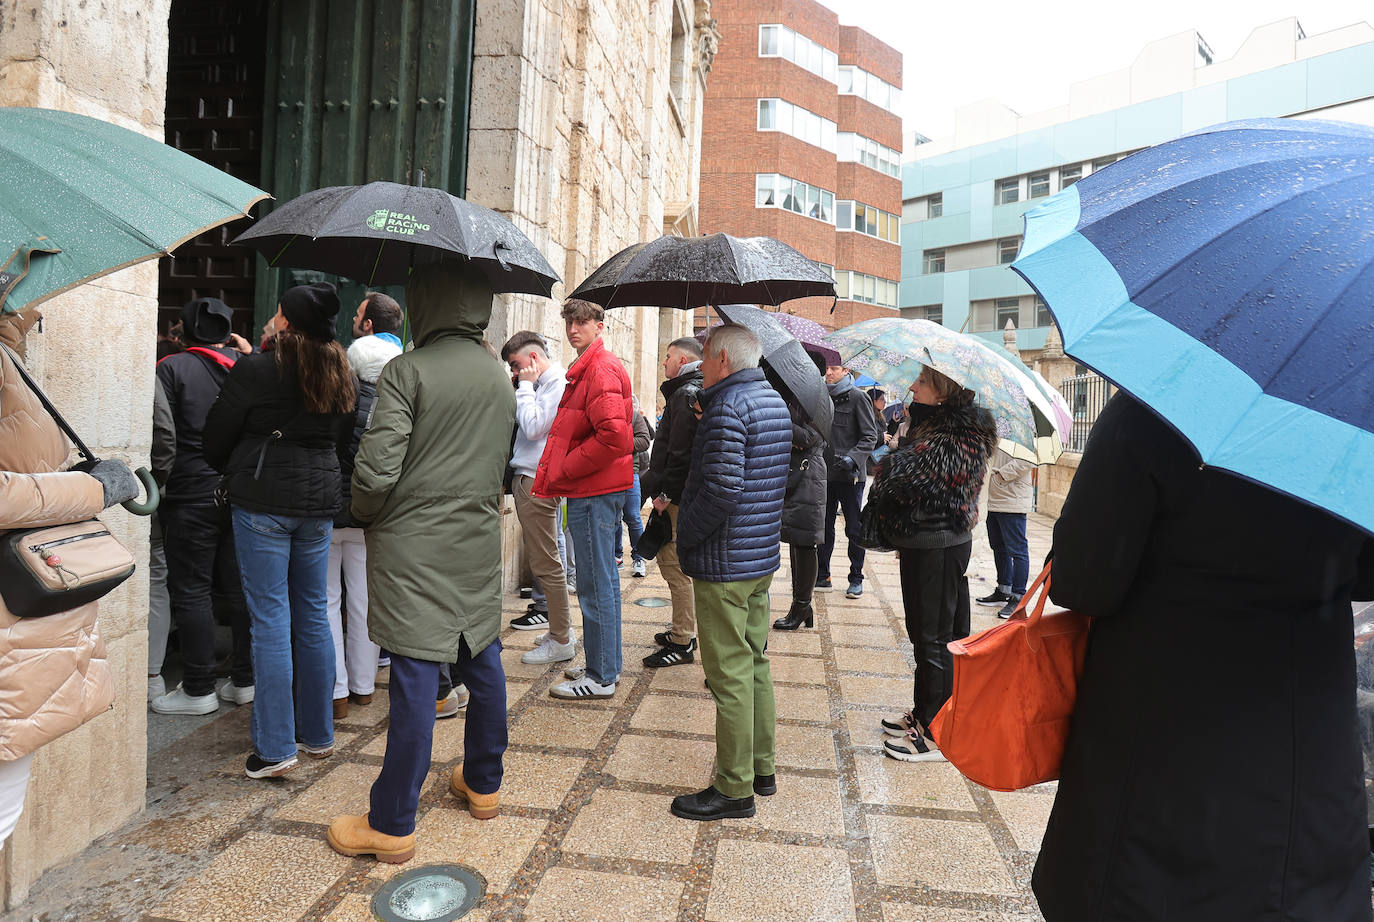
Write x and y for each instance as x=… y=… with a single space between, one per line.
x=427 y=479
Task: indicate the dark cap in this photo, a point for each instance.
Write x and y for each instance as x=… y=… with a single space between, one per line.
x=312 y=309
x=206 y=320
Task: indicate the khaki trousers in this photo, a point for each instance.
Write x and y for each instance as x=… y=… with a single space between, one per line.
x=538 y=527
x=684 y=626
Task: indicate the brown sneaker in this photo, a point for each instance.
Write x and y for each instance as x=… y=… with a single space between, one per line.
x=352 y=835
x=340 y=708
x=481 y=806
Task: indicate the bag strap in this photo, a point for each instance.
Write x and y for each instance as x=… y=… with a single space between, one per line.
x=1031 y=608
x=276 y=434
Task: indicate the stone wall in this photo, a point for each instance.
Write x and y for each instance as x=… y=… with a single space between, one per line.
x=94 y=358
x=1054 y=482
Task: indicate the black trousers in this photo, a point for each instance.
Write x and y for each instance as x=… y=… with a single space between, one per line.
x=847 y=496
x=935 y=599
x=202 y=570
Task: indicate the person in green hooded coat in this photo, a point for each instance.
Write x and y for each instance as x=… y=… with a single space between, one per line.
x=427 y=488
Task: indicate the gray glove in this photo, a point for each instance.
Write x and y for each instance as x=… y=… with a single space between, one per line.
x=119 y=482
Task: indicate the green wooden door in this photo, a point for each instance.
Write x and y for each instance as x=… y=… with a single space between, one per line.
x=357 y=91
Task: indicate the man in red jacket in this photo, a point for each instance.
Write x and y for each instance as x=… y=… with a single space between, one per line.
x=588 y=459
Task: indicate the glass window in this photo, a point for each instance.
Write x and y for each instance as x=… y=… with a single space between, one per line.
x=871 y=289
x=894 y=98
x=1008 y=190
x=844 y=215
x=786 y=44
x=1007 y=309
x=816 y=59
x=831 y=62
x=935 y=205
x=765 y=187
x=828 y=135
x=860 y=218
x=827 y=208
x=935 y=313
x=934 y=262
x=846 y=82
x=1042 y=314
x=768 y=40
x=797 y=200
x=1102 y=163
x=842 y=285
x=813 y=202
x=872 y=221
x=827 y=269
x=767 y=114
x=1068 y=175
x=1006 y=250
x=1039 y=185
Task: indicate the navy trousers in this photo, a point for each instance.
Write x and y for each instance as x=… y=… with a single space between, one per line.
x=412 y=691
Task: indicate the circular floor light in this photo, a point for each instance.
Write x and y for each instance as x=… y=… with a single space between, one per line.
x=432 y=893
x=654 y=601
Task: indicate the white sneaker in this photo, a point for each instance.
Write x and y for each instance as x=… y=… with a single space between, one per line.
x=236 y=694
x=582 y=688
x=449 y=707
x=549 y=650
x=157 y=686
x=638 y=568
x=178 y=702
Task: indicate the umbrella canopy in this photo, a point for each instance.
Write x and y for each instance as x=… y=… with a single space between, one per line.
x=786 y=364
x=1225 y=280
x=377 y=232
x=1062 y=413
x=691 y=272
x=892 y=350
x=810 y=334
x=83 y=198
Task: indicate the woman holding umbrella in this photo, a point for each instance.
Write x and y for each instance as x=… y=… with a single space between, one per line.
x=924 y=503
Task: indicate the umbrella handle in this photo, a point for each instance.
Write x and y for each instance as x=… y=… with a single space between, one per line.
x=148 y=506
x=496 y=249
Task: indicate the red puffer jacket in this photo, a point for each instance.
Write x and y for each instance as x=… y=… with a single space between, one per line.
x=588 y=452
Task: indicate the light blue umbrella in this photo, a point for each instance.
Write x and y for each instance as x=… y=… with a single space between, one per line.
x=1226 y=280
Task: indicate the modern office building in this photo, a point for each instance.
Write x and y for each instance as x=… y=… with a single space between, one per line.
x=801 y=141
x=963 y=198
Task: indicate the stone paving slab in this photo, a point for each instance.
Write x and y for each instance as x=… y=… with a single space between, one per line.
x=585 y=831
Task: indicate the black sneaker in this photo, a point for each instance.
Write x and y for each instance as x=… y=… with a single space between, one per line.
x=996 y=599
x=532 y=620
x=672 y=654
x=823 y=584
x=897 y=726
x=1009 y=609
x=913 y=747
x=258 y=768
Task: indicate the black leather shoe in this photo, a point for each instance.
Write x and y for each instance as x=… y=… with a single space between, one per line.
x=766 y=785
x=800 y=615
x=711 y=804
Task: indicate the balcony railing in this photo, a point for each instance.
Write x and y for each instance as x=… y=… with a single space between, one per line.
x=1087 y=394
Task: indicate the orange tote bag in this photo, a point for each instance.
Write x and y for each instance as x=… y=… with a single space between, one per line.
x=1007 y=722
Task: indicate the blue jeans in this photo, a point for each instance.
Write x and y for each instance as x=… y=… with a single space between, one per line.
x=1007 y=536
x=284 y=562
x=594 y=522
x=410 y=734
x=841 y=494
x=633 y=513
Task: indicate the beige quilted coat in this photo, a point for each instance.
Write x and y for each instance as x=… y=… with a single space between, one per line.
x=53 y=673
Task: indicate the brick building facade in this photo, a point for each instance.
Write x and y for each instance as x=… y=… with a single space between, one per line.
x=801 y=141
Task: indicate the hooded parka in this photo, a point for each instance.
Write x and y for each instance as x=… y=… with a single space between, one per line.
x=54 y=675
x=1213 y=768
x=427 y=476
x=803 y=505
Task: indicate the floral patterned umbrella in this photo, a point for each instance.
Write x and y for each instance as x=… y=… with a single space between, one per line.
x=810 y=334
x=893 y=350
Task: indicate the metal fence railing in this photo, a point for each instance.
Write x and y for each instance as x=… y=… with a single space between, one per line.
x=1086 y=394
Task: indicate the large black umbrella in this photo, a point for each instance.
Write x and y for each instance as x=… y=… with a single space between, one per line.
x=377 y=232
x=786 y=364
x=690 y=272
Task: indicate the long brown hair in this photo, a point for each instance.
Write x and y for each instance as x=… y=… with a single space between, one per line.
x=322 y=369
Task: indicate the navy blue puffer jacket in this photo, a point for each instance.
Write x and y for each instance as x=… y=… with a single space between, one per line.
x=731 y=516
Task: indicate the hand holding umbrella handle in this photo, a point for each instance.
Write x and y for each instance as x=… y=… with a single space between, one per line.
x=148 y=506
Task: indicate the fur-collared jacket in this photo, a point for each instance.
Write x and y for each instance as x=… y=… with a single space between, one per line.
x=925 y=494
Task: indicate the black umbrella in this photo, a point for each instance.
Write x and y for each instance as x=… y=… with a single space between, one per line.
x=690 y=272
x=377 y=232
x=787 y=364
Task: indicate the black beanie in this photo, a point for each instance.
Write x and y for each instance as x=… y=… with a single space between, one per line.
x=311 y=309
x=206 y=320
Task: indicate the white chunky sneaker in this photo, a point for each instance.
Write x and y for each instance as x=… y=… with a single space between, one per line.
x=549 y=650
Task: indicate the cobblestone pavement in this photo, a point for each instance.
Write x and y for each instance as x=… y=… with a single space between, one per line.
x=584 y=831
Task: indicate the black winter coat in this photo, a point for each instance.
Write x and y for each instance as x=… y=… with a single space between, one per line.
x=803 y=505
x=1213 y=770
x=728 y=529
x=367 y=396
x=192 y=380
x=299 y=473
x=671 y=456
x=853 y=436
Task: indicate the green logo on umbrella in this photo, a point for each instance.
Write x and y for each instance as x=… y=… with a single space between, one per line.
x=395 y=222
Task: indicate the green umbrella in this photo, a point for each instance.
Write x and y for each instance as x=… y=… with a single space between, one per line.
x=81 y=198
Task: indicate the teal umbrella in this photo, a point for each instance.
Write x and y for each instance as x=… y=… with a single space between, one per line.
x=892 y=350
x=81 y=198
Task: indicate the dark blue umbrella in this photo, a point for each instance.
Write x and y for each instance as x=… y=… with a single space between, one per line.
x=1226 y=280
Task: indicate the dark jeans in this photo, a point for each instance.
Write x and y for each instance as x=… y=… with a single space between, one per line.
x=934 y=593
x=413 y=689
x=199 y=543
x=804 y=564
x=848 y=496
x=1011 y=554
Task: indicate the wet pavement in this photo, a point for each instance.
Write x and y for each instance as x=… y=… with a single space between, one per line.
x=584 y=831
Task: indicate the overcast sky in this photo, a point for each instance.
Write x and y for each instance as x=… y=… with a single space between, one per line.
x=1026 y=54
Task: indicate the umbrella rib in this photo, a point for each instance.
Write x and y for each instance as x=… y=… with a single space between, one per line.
x=381 y=245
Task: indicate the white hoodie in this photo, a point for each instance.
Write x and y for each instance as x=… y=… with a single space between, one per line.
x=368 y=354
x=535 y=407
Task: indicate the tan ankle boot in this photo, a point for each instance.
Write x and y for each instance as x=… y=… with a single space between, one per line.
x=353 y=835
x=481 y=806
